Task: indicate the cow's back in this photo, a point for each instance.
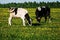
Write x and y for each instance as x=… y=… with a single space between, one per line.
x=22 y=11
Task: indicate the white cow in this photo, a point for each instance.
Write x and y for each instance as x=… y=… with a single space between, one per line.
x=19 y=12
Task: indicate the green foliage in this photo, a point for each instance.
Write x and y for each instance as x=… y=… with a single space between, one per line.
x=45 y=31
x=31 y=4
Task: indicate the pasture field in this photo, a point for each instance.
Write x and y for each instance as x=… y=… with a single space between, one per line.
x=44 y=31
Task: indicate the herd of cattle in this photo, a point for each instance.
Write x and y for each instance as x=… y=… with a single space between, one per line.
x=40 y=12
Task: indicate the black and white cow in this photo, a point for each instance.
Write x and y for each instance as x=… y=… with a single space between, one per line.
x=43 y=11
x=19 y=12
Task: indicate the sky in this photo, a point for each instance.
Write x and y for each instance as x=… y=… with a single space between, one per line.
x=22 y=1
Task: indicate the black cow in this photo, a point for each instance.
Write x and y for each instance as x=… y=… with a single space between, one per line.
x=43 y=11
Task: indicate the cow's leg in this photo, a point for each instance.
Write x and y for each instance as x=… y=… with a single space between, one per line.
x=39 y=19
x=49 y=18
x=45 y=18
x=9 y=21
x=23 y=22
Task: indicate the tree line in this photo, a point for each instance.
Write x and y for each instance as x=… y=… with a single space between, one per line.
x=31 y=4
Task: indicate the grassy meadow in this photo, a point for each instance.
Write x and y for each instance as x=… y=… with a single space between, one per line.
x=44 y=31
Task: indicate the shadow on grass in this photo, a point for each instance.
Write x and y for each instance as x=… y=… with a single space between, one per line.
x=36 y=24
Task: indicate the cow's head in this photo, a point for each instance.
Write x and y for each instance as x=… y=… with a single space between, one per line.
x=38 y=19
x=39 y=8
x=30 y=22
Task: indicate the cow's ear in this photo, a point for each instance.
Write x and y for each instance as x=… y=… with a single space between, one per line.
x=9 y=8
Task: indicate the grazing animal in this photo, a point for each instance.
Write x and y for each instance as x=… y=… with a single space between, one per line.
x=19 y=12
x=43 y=11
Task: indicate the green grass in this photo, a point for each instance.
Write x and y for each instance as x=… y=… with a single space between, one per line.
x=45 y=31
